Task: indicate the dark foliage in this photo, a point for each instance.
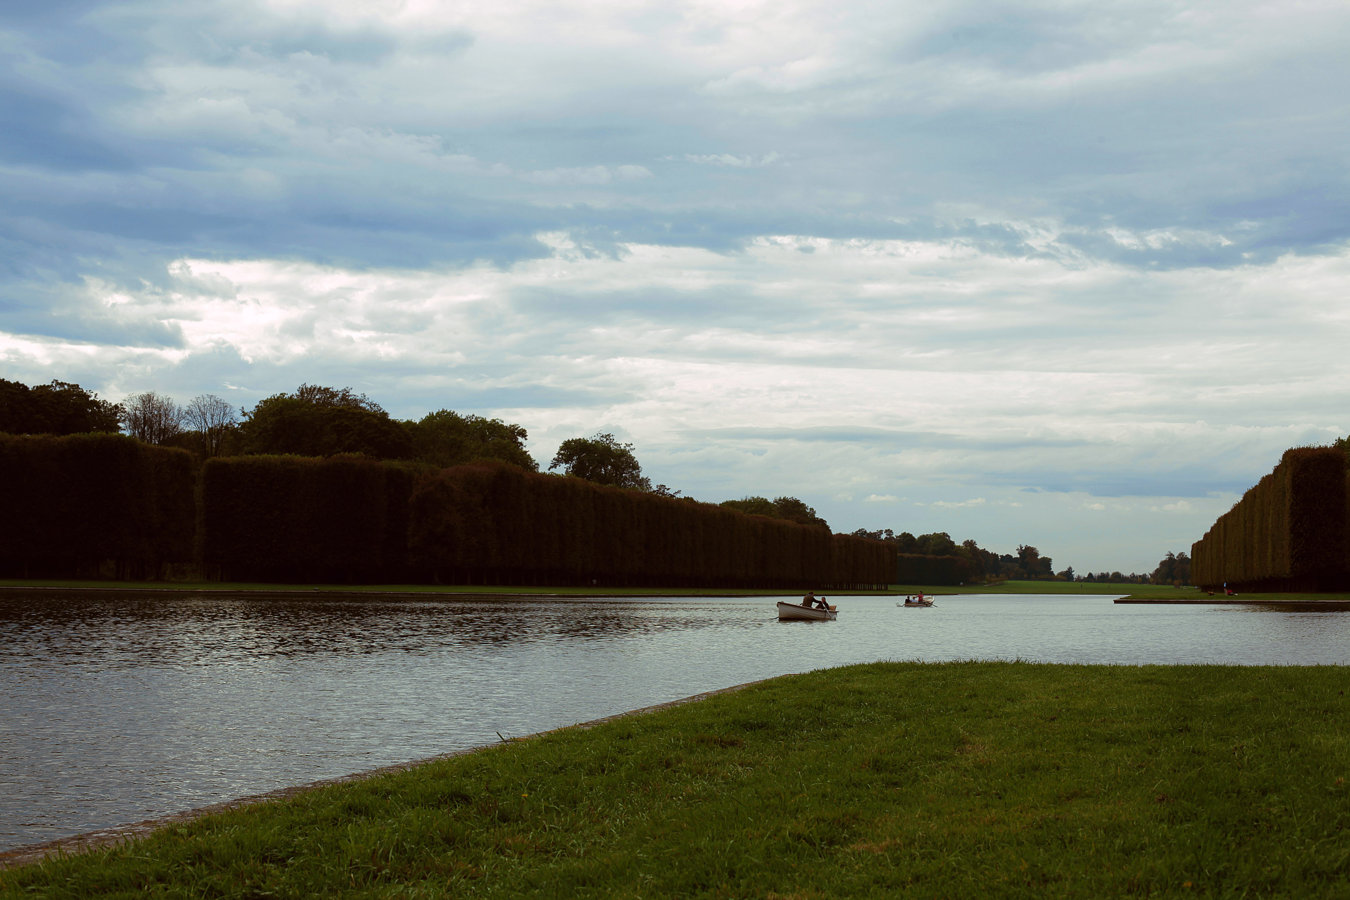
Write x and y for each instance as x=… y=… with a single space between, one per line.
x=285 y=518
x=601 y=459
x=320 y=421
x=446 y=438
x=1288 y=532
x=789 y=508
x=85 y=506
x=494 y=524
x=56 y=408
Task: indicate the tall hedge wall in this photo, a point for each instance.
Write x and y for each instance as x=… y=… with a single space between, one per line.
x=78 y=505
x=304 y=519
x=495 y=524
x=87 y=505
x=1288 y=532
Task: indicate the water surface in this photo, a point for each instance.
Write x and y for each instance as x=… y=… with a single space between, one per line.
x=117 y=709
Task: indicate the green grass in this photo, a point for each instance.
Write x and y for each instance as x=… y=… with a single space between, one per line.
x=921 y=780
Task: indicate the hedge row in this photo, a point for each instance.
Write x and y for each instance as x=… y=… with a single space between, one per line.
x=90 y=505
x=304 y=519
x=1288 y=532
x=351 y=520
x=496 y=524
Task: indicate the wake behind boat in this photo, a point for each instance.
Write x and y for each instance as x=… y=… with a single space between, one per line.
x=795 y=612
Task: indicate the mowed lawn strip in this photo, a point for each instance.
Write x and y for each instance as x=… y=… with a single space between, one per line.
x=936 y=780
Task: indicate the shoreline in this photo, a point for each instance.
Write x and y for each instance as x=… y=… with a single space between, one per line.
x=28 y=854
x=426 y=593
x=1239 y=601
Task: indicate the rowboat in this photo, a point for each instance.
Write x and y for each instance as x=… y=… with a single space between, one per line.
x=916 y=603
x=795 y=612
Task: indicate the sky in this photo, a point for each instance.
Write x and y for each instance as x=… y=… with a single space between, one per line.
x=1067 y=274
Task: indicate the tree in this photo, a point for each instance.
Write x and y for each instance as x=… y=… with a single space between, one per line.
x=795 y=510
x=789 y=508
x=1175 y=568
x=1033 y=564
x=938 y=543
x=445 y=438
x=601 y=459
x=752 y=506
x=152 y=418
x=323 y=421
x=56 y=408
x=212 y=418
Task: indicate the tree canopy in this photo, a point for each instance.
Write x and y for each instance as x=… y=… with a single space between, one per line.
x=1027 y=563
x=1174 y=568
x=56 y=408
x=601 y=459
x=446 y=438
x=789 y=508
x=323 y=421
x=212 y=420
x=152 y=418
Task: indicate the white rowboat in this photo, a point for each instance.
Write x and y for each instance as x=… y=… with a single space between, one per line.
x=796 y=612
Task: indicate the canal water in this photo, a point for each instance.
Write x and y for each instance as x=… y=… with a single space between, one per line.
x=115 y=709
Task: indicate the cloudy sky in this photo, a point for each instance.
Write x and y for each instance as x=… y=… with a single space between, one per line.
x=1070 y=274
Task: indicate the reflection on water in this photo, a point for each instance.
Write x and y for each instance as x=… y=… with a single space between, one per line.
x=119 y=708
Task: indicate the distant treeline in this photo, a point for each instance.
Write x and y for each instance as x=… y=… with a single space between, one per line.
x=937 y=559
x=1287 y=533
x=98 y=504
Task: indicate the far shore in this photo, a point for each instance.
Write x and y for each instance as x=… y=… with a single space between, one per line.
x=1123 y=593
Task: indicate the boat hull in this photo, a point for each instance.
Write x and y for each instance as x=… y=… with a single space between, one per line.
x=795 y=612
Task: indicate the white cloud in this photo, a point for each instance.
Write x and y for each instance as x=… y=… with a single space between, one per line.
x=729 y=160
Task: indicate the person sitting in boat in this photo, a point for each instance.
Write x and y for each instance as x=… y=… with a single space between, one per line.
x=809 y=600
x=821 y=604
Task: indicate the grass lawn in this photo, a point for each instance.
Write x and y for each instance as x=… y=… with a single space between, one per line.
x=921 y=780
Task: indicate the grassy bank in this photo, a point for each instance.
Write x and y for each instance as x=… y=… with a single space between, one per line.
x=1153 y=591
x=940 y=780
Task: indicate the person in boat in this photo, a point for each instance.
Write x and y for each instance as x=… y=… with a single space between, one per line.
x=809 y=600
x=821 y=603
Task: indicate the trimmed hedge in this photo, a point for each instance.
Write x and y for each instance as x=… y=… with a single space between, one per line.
x=86 y=505
x=1288 y=532
x=343 y=519
x=98 y=505
x=491 y=523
